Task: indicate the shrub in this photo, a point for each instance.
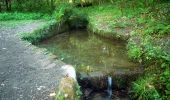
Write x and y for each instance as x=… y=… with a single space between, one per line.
x=67 y=13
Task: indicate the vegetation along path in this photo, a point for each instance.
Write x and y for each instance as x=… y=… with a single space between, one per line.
x=26 y=72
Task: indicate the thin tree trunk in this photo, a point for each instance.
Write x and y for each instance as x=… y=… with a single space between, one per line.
x=0 y=7
x=48 y=2
x=52 y=4
x=6 y=3
x=9 y=5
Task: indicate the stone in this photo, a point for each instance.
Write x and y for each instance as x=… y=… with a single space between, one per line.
x=69 y=71
x=67 y=89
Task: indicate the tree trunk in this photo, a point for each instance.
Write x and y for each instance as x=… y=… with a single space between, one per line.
x=8 y=5
x=52 y=5
x=48 y=2
x=0 y=7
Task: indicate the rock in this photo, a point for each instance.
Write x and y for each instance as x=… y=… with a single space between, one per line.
x=67 y=86
x=87 y=92
x=67 y=89
x=69 y=71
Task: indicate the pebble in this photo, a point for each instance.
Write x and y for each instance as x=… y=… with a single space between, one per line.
x=2 y=84
x=52 y=94
x=4 y=48
x=41 y=87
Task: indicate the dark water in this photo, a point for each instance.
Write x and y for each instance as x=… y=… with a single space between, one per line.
x=104 y=96
x=88 y=52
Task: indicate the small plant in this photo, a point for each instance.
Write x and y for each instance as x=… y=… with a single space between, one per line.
x=143 y=89
x=60 y=97
x=78 y=92
x=135 y=51
x=63 y=12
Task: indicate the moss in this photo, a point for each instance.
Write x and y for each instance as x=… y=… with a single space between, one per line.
x=68 y=89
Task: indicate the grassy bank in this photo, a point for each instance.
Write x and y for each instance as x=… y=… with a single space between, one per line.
x=50 y=29
x=147 y=30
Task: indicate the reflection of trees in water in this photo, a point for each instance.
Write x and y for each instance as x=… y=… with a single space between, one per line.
x=83 y=50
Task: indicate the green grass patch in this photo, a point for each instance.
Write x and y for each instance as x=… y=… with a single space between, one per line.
x=144 y=89
x=14 y=23
x=22 y=16
x=39 y=34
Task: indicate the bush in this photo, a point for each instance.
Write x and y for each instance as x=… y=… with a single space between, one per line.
x=63 y=12
x=67 y=13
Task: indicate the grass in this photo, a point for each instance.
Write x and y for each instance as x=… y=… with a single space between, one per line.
x=5 y=16
x=143 y=89
x=108 y=21
x=40 y=33
x=13 y=23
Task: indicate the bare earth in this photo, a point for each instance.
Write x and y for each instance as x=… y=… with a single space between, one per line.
x=26 y=73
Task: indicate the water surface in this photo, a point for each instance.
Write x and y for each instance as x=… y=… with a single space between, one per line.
x=87 y=51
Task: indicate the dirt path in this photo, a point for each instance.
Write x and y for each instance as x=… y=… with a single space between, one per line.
x=25 y=72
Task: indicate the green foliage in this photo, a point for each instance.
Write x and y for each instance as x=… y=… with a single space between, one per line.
x=165 y=81
x=22 y=16
x=60 y=97
x=67 y=13
x=63 y=12
x=77 y=19
x=78 y=92
x=143 y=89
x=158 y=28
x=135 y=51
x=39 y=34
x=44 y=6
x=77 y=96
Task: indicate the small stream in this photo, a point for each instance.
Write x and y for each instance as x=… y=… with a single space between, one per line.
x=93 y=56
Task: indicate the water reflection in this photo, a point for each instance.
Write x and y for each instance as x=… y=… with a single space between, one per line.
x=82 y=49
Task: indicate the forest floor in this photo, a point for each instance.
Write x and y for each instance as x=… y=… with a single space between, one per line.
x=26 y=72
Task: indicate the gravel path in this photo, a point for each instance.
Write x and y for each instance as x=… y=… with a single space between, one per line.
x=26 y=73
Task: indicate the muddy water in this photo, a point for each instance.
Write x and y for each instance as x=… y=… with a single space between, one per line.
x=88 y=52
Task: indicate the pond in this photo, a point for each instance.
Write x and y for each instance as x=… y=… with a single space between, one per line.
x=94 y=56
x=87 y=51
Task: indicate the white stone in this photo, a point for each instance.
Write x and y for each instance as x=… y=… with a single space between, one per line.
x=52 y=94
x=69 y=71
